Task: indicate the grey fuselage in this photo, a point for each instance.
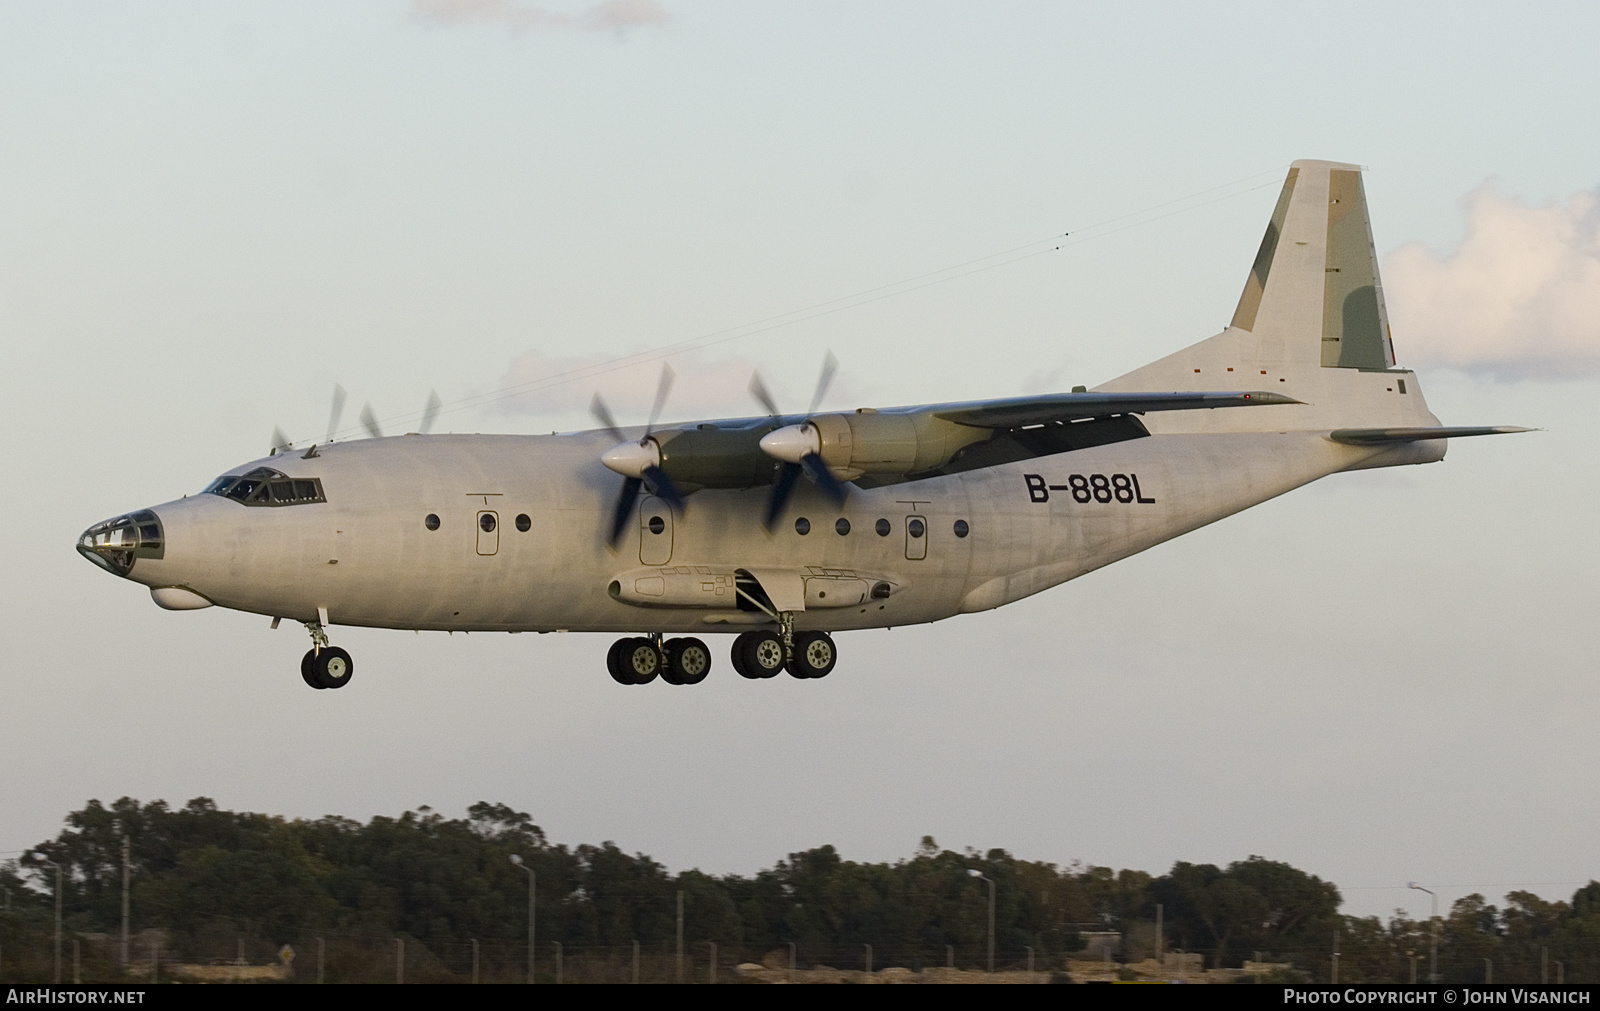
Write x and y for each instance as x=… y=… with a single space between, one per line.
x=366 y=556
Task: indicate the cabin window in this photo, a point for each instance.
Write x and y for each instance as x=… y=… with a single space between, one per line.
x=486 y=522
x=882 y=528
x=802 y=526
x=841 y=526
x=916 y=528
x=267 y=487
x=431 y=521
x=962 y=529
x=524 y=524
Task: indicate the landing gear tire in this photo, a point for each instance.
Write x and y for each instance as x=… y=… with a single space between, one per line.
x=614 y=662
x=639 y=660
x=329 y=667
x=763 y=654
x=736 y=656
x=305 y=670
x=688 y=662
x=814 y=655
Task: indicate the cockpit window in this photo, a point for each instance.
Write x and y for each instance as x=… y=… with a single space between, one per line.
x=267 y=487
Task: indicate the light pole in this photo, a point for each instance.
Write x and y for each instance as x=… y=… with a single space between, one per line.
x=533 y=883
x=983 y=877
x=1433 y=942
x=46 y=860
x=125 y=841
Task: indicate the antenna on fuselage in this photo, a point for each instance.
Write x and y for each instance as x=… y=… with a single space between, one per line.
x=280 y=442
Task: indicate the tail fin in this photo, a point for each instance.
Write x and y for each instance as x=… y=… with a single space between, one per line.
x=1318 y=253
x=1311 y=324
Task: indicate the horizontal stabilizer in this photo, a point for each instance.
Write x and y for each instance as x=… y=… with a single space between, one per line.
x=1019 y=412
x=1383 y=436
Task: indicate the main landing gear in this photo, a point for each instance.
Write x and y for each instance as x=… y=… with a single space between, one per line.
x=755 y=655
x=759 y=655
x=637 y=661
x=325 y=666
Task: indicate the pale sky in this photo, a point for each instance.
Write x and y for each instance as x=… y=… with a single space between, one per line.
x=210 y=214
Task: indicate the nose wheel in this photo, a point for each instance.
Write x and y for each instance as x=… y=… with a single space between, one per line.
x=324 y=666
x=328 y=667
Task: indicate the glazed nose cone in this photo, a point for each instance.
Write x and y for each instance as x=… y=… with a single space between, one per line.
x=117 y=544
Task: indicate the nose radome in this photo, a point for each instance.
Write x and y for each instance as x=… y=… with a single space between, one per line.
x=116 y=544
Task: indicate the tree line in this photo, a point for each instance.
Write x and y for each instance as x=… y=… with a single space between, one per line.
x=214 y=884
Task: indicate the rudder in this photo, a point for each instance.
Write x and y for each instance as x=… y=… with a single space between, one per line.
x=1318 y=254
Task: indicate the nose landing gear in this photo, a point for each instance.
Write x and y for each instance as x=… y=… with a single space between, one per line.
x=325 y=666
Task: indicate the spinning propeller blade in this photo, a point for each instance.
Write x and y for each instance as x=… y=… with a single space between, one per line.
x=758 y=389
x=336 y=412
x=624 y=507
x=663 y=387
x=830 y=367
x=818 y=472
x=782 y=486
x=602 y=414
x=430 y=413
x=369 y=421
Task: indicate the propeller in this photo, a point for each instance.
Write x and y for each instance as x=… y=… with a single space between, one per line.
x=369 y=421
x=335 y=412
x=638 y=462
x=798 y=448
x=430 y=413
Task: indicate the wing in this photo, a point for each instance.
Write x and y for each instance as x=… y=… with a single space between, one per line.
x=1020 y=412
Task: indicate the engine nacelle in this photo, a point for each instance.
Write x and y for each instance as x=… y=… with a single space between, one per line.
x=866 y=442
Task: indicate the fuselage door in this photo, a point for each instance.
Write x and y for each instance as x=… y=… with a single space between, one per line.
x=916 y=538
x=488 y=532
x=655 y=531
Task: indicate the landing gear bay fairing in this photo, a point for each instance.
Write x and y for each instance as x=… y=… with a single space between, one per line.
x=783 y=530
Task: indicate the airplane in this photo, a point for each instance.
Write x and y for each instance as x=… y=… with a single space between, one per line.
x=784 y=529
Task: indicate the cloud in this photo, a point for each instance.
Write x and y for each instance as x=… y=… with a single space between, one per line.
x=609 y=16
x=559 y=388
x=1520 y=297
